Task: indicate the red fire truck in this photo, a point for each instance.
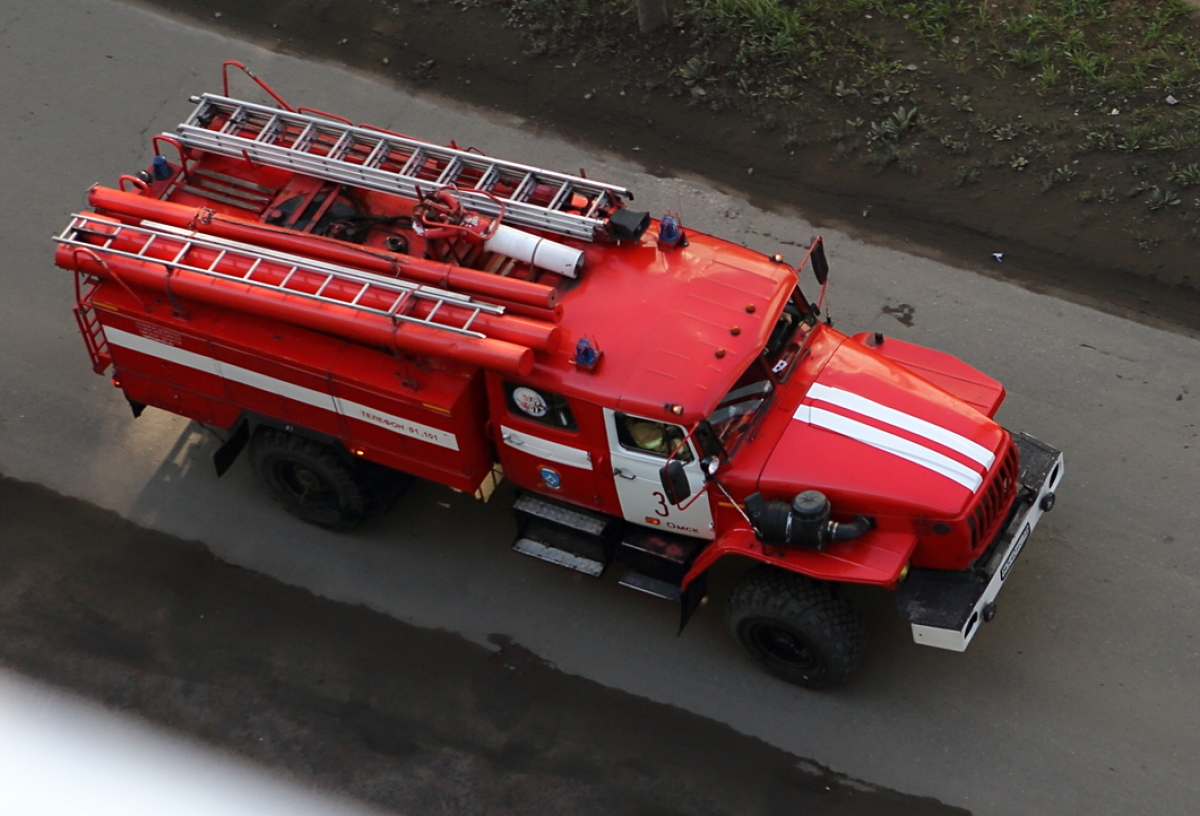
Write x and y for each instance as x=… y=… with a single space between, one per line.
x=352 y=304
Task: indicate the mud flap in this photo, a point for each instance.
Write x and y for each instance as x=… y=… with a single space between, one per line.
x=691 y=598
x=228 y=452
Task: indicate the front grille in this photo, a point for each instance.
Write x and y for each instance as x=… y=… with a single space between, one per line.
x=994 y=501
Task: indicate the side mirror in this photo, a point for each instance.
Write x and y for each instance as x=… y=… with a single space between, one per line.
x=710 y=465
x=675 y=482
x=820 y=263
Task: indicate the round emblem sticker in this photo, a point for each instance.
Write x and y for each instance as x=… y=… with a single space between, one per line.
x=551 y=478
x=530 y=401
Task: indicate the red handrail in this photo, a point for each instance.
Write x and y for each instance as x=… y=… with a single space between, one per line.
x=234 y=63
x=109 y=272
x=141 y=186
x=173 y=142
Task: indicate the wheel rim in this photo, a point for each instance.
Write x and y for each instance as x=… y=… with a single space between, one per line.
x=305 y=486
x=779 y=644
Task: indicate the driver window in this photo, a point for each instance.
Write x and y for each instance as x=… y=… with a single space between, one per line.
x=655 y=438
x=540 y=406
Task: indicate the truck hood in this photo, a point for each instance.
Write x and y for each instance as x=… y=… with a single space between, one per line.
x=879 y=439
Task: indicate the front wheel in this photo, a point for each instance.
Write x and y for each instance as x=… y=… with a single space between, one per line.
x=309 y=479
x=801 y=630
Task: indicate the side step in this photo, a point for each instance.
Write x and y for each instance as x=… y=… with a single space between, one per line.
x=651 y=586
x=554 y=555
x=568 y=536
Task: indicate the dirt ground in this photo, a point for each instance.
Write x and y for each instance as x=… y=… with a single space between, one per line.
x=346 y=699
x=1112 y=253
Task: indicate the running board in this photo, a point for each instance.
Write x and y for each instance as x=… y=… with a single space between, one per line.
x=562 y=558
x=651 y=586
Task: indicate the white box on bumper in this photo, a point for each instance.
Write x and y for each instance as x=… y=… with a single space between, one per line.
x=945 y=608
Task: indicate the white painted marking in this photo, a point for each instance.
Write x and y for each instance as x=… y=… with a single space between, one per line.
x=889 y=442
x=163 y=351
x=283 y=388
x=899 y=419
x=545 y=448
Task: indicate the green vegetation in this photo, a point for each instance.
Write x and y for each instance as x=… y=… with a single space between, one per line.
x=1024 y=87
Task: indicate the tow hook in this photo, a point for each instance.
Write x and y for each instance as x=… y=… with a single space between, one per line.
x=989 y=611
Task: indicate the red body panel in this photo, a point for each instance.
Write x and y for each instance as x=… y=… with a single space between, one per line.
x=432 y=427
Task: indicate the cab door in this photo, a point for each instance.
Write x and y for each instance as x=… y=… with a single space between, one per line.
x=545 y=443
x=639 y=448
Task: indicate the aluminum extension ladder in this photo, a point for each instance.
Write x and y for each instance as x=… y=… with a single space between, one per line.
x=279 y=271
x=391 y=163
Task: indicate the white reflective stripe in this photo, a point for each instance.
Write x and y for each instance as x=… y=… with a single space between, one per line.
x=402 y=426
x=283 y=388
x=907 y=422
x=172 y=354
x=896 y=445
x=545 y=449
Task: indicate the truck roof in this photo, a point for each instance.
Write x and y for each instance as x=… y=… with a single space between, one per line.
x=677 y=326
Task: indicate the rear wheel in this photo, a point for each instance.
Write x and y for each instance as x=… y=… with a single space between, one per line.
x=801 y=630
x=309 y=479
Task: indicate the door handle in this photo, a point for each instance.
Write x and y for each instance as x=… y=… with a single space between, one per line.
x=512 y=440
x=623 y=474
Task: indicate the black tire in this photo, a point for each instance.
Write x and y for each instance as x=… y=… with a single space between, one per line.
x=801 y=630
x=309 y=479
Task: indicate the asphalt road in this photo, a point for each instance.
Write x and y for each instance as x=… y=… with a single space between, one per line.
x=1081 y=697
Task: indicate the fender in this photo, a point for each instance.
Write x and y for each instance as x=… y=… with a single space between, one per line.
x=878 y=558
x=946 y=371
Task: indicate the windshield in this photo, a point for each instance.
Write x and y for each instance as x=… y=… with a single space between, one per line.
x=736 y=413
x=791 y=331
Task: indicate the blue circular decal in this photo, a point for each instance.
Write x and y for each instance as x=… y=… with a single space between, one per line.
x=550 y=478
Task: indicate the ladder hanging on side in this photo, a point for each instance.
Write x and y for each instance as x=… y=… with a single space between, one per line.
x=89 y=325
x=177 y=249
x=565 y=205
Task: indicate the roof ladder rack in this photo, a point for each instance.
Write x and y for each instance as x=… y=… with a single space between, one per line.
x=174 y=248
x=570 y=206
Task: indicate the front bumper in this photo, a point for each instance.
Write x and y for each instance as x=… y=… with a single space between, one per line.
x=945 y=608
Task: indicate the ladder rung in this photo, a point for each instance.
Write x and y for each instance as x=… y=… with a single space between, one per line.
x=597 y=204
x=321 y=289
x=187 y=246
x=377 y=156
x=525 y=188
x=267 y=134
x=488 y=178
x=365 y=288
x=563 y=194
x=397 y=303
x=235 y=120
x=340 y=147
x=304 y=139
x=216 y=261
x=451 y=172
